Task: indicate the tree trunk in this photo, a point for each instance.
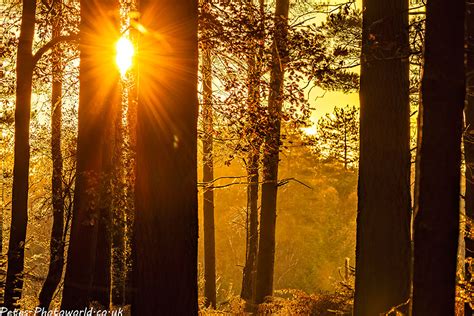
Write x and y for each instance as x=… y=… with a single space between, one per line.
x=436 y=226
x=131 y=135
x=19 y=220
x=248 y=279
x=208 y=176
x=101 y=284
x=166 y=218
x=266 y=250
x=119 y=232
x=469 y=152
x=255 y=142
x=383 y=218
x=99 y=79
x=56 y=261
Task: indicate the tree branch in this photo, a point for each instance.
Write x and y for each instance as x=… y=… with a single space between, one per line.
x=40 y=52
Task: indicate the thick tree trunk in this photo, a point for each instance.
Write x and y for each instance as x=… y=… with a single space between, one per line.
x=266 y=245
x=99 y=80
x=166 y=226
x=56 y=261
x=208 y=176
x=19 y=219
x=436 y=226
x=469 y=152
x=383 y=217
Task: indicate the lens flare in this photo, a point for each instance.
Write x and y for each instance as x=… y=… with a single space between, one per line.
x=124 y=54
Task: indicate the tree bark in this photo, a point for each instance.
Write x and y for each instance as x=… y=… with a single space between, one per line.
x=208 y=176
x=266 y=245
x=19 y=219
x=119 y=232
x=131 y=134
x=56 y=262
x=383 y=249
x=98 y=89
x=254 y=64
x=101 y=284
x=166 y=218
x=469 y=152
x=436 y=225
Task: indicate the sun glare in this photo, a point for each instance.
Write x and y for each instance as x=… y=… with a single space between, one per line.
x=124 y=54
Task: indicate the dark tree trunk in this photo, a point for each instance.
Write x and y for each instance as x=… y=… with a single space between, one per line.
x=19 y=220
x=469 y=151
x=383 y=217
x=208 y=176
x=99 y=80
x=249 y=271
x=255 y=142
x=56 y=261
x=266 y=245
x=101 y=284
x=436 y=225
x=166 y=226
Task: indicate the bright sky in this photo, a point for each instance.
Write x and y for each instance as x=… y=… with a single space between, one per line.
x=324 y=101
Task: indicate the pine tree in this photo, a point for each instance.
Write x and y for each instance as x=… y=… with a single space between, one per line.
x=436 y=224
x=166 y=217
x=383 y=218
x=338 y=135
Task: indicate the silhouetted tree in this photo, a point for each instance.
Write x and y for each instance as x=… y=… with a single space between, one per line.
x=436 y=224
x=166 y=218
x=266 y=245
x=254 y=139
x=19 y=220
x=383 y=218
x=338 y=135
x=99 y=31
x=56 y=261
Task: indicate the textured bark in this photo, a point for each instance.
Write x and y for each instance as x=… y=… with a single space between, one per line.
x=436 y=225
x=166 y=226
x=101 y=284
x=19 y=219
x=469 y=152
x=99 y=79
x=131 y=135
x=383 y=218
x=119 y=232
x=56 y=261
x=207 y=177
x=266 y=245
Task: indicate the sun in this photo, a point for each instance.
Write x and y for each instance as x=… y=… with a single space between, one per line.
x=124 y=54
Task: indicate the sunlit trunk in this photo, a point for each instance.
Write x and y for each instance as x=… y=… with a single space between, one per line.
x=99 y=31
x=208 y=176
